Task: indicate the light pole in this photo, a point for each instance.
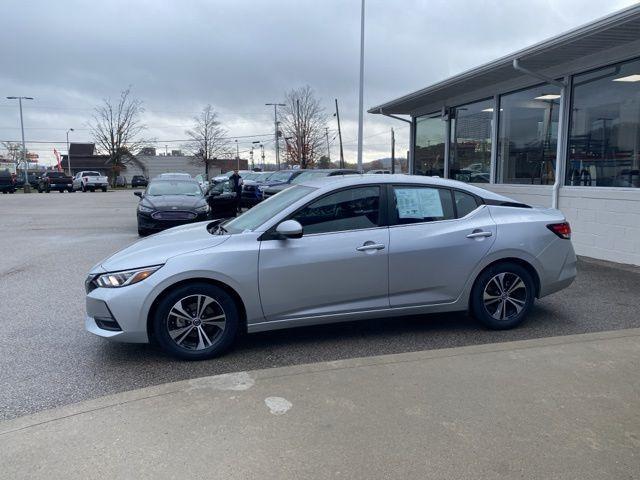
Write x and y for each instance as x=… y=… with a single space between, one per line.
x=237 y=154
x=275 y=125
x=69 y=152
x=360 y=101
x=27 y=187
x=254 y=144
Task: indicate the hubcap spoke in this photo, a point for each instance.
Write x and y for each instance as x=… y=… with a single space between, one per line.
x=179 y=311
x=179 y=338
x=516 y=285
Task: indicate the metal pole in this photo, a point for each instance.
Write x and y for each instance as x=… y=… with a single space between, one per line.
x=275 y=125
x=262 y=153
x=237 y=155
x=27 y=187
x=69 y=152
x=393 y=151
x=326 y=133
x=339 y=135
x=301 y=161
x=361 y=100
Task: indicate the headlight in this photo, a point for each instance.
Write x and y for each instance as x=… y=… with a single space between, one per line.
x=127 y=277
x=204 y=208
x=143 y=209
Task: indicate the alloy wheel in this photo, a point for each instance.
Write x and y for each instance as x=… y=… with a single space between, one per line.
x=504 y=296
x=196 y=322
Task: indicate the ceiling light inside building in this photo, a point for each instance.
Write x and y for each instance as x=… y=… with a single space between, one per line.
x=548 y=96
x=629 y=78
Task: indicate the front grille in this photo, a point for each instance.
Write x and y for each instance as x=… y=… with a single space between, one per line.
x=170 y=215
x=249 y=188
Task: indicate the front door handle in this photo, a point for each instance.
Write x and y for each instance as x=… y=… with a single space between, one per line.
x=479 y=234
x=370 y=246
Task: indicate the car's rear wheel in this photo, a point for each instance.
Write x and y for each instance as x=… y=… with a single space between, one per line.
x=502 y=296
x=104 y=189
x=196 y=321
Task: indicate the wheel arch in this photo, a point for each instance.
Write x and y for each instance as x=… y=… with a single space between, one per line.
x=242 y=311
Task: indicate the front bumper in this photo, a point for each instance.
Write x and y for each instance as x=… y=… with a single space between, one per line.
x=147 y=222
x=116 y=313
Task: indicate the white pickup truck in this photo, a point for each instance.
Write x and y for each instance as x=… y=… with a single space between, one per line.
x=88 y=180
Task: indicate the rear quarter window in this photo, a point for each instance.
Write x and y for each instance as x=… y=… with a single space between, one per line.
x=465 y=203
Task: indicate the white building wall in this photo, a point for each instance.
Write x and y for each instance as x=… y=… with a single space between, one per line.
x=605 y=222
x=167 y=164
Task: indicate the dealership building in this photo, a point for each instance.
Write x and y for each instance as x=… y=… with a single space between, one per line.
x=556 y=124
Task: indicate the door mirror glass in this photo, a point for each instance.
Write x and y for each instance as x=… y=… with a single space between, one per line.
x=138 y=194
x=290 y=229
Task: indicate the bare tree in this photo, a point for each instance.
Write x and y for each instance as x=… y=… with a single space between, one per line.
x=208 y=138
x=14 y=152
x=116 y=129
x=303 y=125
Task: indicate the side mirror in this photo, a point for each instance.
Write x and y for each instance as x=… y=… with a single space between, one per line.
x=290 y=229
x=138 y=194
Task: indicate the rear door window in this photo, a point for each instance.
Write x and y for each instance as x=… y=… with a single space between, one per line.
x=417 y=204
x=465 y=203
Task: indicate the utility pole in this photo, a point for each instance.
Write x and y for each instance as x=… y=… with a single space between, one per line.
x=393 y=151
x=237 y=154
x=275 y=125
x=69 y=152
x=301 y=161
x=326 y=134
x=253 y=165
x=361 y=93
x=262 y=153
x=253 y=145
x=27 y=187
x=337 y=114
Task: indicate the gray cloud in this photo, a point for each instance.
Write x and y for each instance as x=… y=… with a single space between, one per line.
x=237 y=55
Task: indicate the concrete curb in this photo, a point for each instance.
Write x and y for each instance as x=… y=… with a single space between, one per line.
x=114 y=400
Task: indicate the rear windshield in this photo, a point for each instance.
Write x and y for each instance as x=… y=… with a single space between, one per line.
x=56 y=174
x=91 y=174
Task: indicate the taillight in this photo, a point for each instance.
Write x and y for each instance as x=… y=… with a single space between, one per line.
x=563 y=230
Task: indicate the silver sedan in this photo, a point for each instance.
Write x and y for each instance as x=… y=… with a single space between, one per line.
x=331 y=250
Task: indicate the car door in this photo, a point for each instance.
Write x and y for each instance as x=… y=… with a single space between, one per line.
x=437 y=236
x=340 y=263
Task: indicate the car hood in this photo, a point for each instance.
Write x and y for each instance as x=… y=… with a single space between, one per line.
x=169 y=201
x=157 y=249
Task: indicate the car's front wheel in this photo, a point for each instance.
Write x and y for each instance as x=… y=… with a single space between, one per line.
x=196 y=321
x=502 y=296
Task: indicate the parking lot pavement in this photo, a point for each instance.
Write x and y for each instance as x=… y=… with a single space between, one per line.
x=49 y=242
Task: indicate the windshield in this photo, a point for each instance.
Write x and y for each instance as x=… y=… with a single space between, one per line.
x=253 y=218
x=281 y=176
x=91 y=174
x=174 y=187
x=56 y=174
x=250 y=176
x=310 y=175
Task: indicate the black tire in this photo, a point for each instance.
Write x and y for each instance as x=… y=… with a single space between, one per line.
x=70 y=190
x=92 y=190
x=47 y=190
x=509 y=311
x=104 y=189
x=61 y=191
x=222 y=339
x=83 y=188
x=39 y=189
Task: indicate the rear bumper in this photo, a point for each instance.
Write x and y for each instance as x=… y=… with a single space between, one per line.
x=559 y=264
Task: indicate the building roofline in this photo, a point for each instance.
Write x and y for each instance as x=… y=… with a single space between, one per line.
x=604 y=23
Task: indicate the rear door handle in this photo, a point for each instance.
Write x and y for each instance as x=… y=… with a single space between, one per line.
x=479 y=234
x=370 y=246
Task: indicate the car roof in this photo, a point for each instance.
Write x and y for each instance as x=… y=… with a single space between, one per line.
x=337 y=181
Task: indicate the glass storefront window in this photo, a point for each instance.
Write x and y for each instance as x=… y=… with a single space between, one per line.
x=604 y=138
x=528 y=136
x=471 y=142
x=429 y=146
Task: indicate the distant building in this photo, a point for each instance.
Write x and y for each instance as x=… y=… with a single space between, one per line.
x=147 y=163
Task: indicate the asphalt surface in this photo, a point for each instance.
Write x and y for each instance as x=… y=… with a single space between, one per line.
x=49 y=241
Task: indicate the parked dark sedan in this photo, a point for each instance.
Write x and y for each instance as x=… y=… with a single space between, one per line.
x=304 y=176
x=251 y=194
x=138 y=181
x=222 y=200
x=168 y=202
x=7 y=182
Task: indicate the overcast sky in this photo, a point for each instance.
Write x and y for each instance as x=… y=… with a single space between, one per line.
x=238 y=54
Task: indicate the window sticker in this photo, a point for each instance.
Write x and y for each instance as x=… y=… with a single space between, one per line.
x=419 y=203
